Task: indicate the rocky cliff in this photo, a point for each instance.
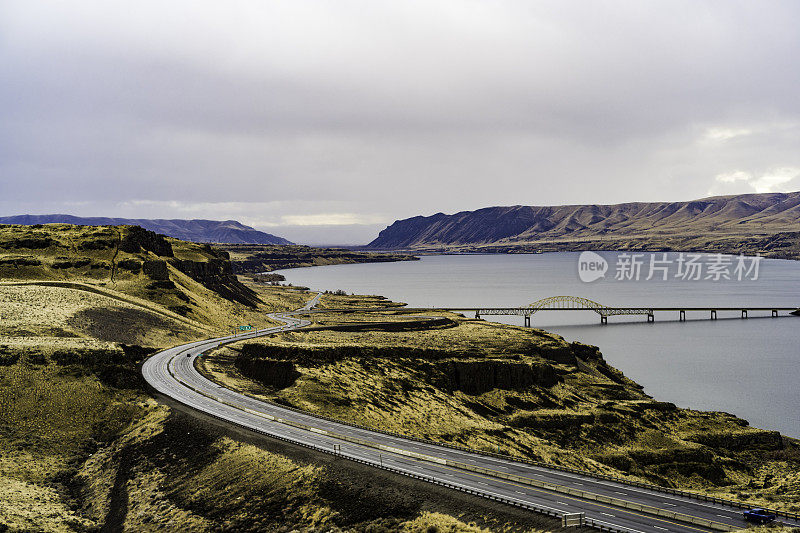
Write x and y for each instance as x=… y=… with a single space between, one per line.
x=122 y=254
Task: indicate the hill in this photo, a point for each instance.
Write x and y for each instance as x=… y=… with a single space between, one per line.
x=659 y=225
x=498 y=388
x=196 y=230
x=176 y=280
x=85 y=447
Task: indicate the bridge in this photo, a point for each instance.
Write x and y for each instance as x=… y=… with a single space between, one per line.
x=576 y=303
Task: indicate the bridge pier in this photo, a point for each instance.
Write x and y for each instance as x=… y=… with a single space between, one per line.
x=527 y=321
x=744 y=313
x=713 y=314
x=682 y=316
x=603 y=319
x=651 y=317
x=477 y=315
x=774 y=312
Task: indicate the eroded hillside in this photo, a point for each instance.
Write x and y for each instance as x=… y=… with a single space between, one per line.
x=84 y=446
x=749 y=223
x=506 y=389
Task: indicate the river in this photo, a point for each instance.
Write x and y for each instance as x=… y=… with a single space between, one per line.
x=747 y=367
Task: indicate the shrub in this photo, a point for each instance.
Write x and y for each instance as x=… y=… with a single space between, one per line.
x=8 y=356
x=130 y=264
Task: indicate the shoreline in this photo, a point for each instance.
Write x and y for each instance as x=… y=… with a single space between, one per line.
x=773 y=421
x=430 y=252
x=326 y=358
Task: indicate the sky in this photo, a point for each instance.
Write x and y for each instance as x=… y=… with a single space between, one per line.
x=325 y=121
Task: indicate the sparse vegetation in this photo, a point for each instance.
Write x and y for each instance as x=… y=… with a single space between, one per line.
x=749 y=224
x=501 y=388
x=257 y=258
x=82 y=445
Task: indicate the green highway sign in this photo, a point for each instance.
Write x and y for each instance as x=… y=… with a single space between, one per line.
x=245 y=328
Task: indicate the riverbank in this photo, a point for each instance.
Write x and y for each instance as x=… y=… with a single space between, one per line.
x=85 y=447
x=494 y=387
x=782 y=245
x=747 y=367
x=256 y=258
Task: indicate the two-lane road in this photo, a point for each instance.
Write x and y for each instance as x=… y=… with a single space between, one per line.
x=613 y=505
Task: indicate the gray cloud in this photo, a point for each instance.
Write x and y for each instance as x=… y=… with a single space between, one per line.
x=383 y=110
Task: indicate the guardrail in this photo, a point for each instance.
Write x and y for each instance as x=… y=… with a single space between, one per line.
x=596 y=475
x=586 y=473
x=519 y=479
x=547 y=511
x=586 y=495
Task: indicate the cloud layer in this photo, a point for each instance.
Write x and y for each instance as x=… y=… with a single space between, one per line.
x=346 y=115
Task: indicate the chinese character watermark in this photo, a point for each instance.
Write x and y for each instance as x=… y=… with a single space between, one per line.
x=663 y=267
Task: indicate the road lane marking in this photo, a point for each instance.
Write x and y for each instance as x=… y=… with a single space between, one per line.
x=608 y=514
x=585 y=502
x=464 y=473
x=549 y=492
x=683 y=499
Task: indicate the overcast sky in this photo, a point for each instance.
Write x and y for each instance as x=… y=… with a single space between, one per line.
x=323 y=122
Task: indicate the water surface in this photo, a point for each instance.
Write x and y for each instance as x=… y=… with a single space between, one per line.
x=747 y=367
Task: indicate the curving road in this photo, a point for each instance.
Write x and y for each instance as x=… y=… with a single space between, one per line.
x=606 y=504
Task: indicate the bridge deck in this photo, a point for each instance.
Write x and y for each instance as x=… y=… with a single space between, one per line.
x=741 y=308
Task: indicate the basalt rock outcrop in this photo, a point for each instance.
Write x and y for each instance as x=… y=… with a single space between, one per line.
x=216 y=274
x=768 y=440
x=137 y=240
x=269 y=372
x=476 y=377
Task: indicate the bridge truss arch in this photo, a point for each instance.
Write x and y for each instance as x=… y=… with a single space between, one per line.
x=573 y=303
x=566 y=303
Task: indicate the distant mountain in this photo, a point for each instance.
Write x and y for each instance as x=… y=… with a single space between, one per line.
x=665 y=222
x=214 y=231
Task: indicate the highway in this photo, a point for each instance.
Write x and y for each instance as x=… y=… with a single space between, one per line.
x=606 y=504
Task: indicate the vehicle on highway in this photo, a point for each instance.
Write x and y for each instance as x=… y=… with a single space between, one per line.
x=759 y=516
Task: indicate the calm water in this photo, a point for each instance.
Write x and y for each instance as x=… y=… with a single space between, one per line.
x=747 y=367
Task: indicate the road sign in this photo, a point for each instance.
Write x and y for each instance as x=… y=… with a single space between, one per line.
x=245 y=328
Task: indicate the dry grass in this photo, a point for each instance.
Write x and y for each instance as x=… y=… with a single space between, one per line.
x=591 y=417
x=439 y=523
x=75 y=452
x=46 y=421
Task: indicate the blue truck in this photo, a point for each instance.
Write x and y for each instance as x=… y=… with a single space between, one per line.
x=759 y=516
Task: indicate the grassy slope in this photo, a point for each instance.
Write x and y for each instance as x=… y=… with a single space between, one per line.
x=782 y=245
x=83 y=446
x=750 y=223
x=545 y=400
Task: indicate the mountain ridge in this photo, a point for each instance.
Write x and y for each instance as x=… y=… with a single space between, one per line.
x=194 y=230
x=509 y=226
